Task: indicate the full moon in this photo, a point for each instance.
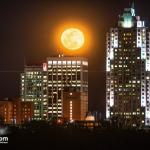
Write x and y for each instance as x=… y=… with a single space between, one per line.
x=72 y=38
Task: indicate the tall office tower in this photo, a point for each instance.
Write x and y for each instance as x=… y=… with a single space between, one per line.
x=45 y=85
x=66 y=74
x=34 y=88
x=128 y=71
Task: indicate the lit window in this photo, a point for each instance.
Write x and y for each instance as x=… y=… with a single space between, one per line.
x=73 y=62
x=59 y=62
x=49 y=62
x=54 y=62
x=78 y=62
x=85 y=63
x=69 y=62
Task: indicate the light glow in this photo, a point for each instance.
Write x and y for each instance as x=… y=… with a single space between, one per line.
x=127 y=24
x=72 y=39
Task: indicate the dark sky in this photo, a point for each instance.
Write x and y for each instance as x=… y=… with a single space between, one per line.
x=27 y=30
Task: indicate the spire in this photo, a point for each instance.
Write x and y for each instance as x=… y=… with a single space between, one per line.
x=133 y=4
x=133 y=8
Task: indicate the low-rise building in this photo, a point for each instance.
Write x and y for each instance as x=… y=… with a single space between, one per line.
x=15 y=111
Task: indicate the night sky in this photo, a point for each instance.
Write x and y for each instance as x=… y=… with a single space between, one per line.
x=27 y=31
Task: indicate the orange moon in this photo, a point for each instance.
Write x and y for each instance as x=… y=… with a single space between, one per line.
x=72 y=39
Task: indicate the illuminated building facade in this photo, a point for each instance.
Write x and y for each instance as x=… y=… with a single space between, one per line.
x=15 y=111
x=128 y=70
x=34 y=88
x=65 y=74
x=6 y=112
x=75 y=105
x=45 y=85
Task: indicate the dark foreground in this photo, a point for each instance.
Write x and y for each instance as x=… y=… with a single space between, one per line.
x=57 y=137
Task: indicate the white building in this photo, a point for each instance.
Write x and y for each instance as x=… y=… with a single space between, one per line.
x=65 y=74
x=128 y=70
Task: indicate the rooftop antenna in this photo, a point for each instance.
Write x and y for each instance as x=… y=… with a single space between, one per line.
x=133 y=8
x=133 y=4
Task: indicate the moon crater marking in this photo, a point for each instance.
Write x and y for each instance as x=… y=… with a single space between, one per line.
x=72 y=39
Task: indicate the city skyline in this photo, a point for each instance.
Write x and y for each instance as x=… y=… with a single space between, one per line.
x=48 y=87
x=27 y=32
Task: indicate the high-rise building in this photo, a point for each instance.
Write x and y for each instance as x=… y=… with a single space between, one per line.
x=45 y=85
x=65 y=73
x=128 y=71
x=34 y=88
